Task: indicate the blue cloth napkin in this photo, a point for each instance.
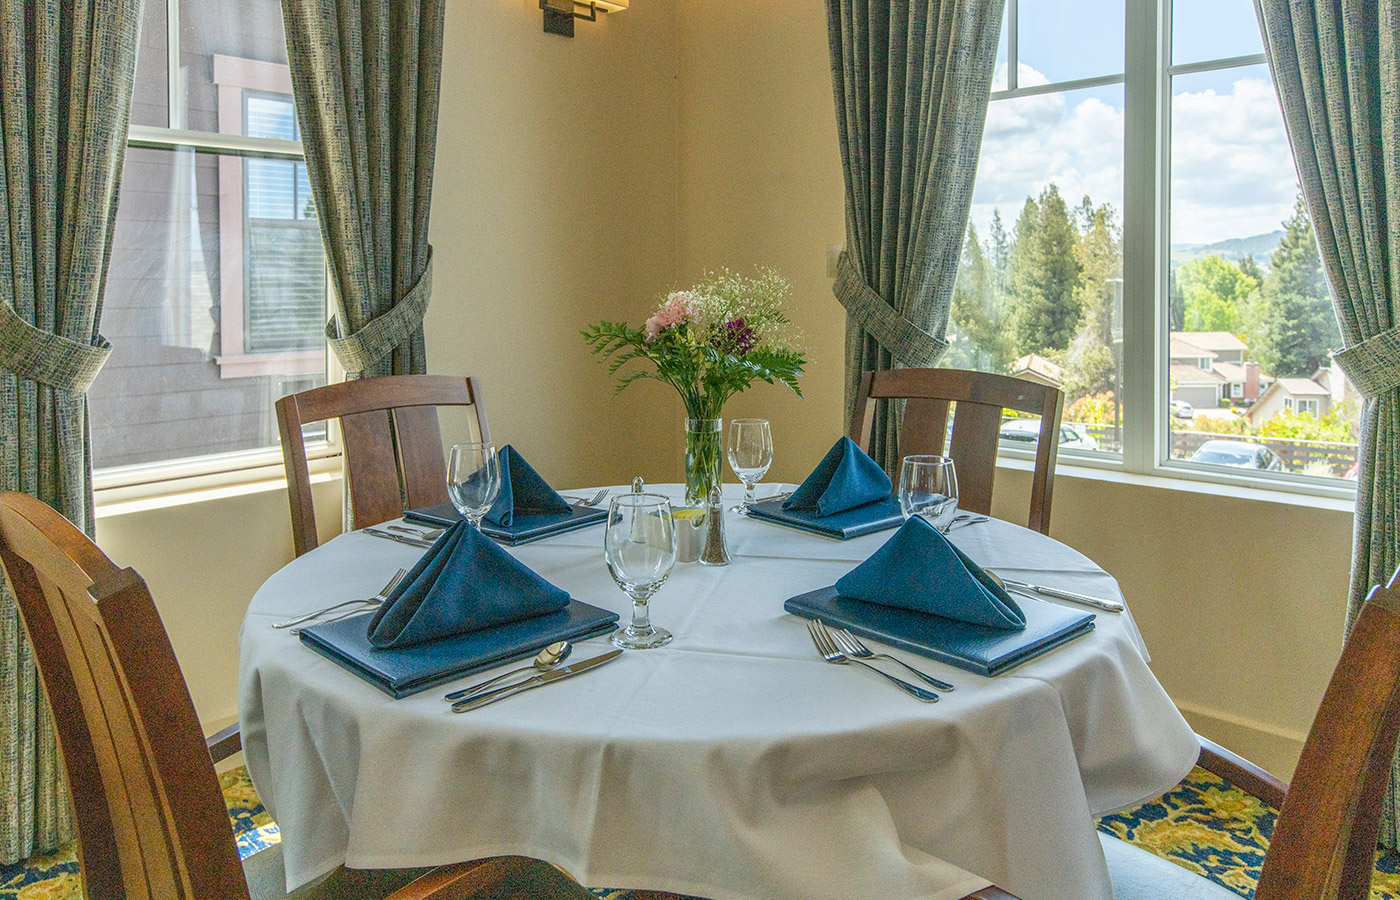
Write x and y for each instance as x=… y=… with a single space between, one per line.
x=463 y=583
x=845 y=478
x=523 y=492
x=919 y=569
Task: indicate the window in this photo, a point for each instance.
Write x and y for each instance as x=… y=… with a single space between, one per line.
x=1137 y=236
x=216 y=293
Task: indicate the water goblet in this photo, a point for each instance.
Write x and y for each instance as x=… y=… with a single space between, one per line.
x=750 y=455
x=639 y=546
x=473 y=479
x=928 y=488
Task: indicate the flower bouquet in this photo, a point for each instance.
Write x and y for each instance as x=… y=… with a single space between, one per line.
x=709 y=343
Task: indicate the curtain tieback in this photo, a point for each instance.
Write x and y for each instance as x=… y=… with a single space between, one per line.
x=48 y=358
x=911 y=346
x=380 y=335
x=1373 y=366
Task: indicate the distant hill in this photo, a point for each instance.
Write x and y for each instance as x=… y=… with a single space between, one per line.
x=1260 y=246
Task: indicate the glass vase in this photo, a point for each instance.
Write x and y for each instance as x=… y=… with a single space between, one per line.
x=704 y=454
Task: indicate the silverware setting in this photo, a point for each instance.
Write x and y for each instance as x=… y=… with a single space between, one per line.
x=827 y=647
x=1071 y=596
x=371 y=602
x=533 y=682
x=854 y=648
x=421 y=543
x=588 y=501
x=968 y=519
x=548 y=658
x=426 y=534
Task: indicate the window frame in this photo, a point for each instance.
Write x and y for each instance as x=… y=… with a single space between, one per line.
x=219 y=470
x=1147 y=101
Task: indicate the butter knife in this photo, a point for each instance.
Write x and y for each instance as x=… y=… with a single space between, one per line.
x=1095 y=602
x=535 y=681
x=400 y=538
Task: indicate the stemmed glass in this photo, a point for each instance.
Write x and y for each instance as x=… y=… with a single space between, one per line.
x=928 y=488
x=473 y=479
x=639 y=545
x=750 y=455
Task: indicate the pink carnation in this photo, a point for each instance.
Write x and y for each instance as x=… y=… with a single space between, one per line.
x=678 y=309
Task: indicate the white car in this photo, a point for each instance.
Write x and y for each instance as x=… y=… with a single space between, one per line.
x=1182 y=410
x=1240 y=454
x=1027 y=431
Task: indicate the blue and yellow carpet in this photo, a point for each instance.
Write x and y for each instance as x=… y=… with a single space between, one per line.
x=1204 y=825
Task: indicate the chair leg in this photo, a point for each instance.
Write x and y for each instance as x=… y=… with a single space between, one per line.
x=500 y=878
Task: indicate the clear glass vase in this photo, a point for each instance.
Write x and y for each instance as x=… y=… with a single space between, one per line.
x=704 y=454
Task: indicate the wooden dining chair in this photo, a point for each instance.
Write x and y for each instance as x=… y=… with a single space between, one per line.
x=150 y=817
x=981 y=399
x=1324 y=841
x=391 y=440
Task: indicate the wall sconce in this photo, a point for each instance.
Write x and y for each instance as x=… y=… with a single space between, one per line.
x=559 y=15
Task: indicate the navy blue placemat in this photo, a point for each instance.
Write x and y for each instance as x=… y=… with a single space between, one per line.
x=868 y=519
x=401 y=671
x=976 y=648
x=522 y=530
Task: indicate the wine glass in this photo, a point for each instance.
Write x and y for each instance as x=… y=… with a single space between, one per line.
x=928 y=488
x=750 y=455
x=473 y=479
x=639 y=545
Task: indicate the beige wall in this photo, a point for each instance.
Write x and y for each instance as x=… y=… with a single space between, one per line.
x=578 y=179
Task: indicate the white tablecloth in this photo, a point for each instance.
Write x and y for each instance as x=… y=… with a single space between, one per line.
x=733 y=763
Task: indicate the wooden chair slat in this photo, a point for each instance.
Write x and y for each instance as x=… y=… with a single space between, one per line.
x=419 y=440
x=976 y=430
x=371 y=467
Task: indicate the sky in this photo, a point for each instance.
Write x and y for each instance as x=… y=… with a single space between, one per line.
x=1232 y=172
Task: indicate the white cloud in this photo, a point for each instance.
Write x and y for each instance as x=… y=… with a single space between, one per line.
x=1232 y=172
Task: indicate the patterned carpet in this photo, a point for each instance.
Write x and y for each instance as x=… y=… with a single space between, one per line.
x=1205 y=825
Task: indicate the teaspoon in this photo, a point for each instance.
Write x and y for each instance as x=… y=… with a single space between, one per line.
x=548 y=658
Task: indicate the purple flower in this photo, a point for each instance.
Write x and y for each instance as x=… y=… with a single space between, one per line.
x=739 y=336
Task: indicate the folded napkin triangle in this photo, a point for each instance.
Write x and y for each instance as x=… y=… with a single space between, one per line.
x=919 y=569
x=845 y=478
x=465 y=582
x=523 y=492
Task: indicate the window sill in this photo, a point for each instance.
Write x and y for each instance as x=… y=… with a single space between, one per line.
x=1341 y=499
x=131 y=489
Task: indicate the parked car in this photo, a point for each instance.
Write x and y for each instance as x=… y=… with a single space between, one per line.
x=1182 y=410
x=1027 y=431
x=1238 y=453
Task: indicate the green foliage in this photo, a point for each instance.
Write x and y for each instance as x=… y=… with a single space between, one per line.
x=1044 y=276
x=1220 y=425
x=1088 y=361
x=1305 y=426
x=1297 y=326
x=1096 y=409
x=976 y=339
x=1213 y=291
x=710 y=342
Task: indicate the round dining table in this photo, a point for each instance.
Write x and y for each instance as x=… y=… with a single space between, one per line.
x=733 y=762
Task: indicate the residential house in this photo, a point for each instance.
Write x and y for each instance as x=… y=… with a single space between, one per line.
x=1207 y=367
x=1034 y=367
x=1317 y=395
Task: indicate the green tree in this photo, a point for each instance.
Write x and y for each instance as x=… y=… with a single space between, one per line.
x=1176 y=303
x=977 y=340
x=1298 y=326
x=1088 y=361
x=1214 y=290
x=1044 y=276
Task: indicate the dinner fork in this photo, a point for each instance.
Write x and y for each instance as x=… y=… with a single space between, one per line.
x=591 y=501
x=826 y=646
x=368 y=601
x=852 y=647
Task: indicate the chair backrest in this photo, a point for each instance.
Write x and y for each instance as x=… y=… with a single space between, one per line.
x=981 y=398
x=1324 y=842
x=151 y=819
x=392 y=444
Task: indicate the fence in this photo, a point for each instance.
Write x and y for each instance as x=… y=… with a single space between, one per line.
x=1302 y=457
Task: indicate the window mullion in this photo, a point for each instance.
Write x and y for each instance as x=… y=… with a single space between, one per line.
x=1143 y=228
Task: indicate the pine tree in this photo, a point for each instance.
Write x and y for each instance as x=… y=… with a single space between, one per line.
x=1300 y=327
x=980 y=342
x=1044 y=276
x=1088 y=362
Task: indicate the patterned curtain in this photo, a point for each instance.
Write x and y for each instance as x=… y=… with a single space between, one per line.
x=1337 y=67
x=912 y=81
x=66 y=73
x=365 y=76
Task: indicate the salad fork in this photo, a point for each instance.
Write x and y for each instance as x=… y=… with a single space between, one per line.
x=826 y=646
x=367 y=601
x=590 y=501
x=852 y=647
